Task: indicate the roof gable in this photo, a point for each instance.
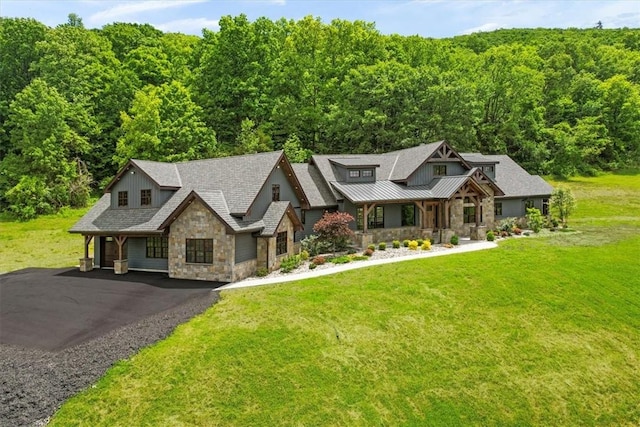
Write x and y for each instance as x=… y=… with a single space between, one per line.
x=164 y=175
x=273 y=218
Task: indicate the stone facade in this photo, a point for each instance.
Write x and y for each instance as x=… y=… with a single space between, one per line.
x=377 y=235
x=479 y=233
x=120 y=266
x=267 y=257
x=244 y=269
x=197 y=222
x=86 y=264
x=456 y=217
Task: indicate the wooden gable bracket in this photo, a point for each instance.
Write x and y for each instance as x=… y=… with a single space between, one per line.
x=120 y=240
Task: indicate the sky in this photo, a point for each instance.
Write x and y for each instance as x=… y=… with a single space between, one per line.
x=427 y=18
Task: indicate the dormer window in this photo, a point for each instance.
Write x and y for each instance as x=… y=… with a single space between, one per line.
x=354 y=173
x=440 y=170
x=123 y=199
x=145 y=197
x=367 y=173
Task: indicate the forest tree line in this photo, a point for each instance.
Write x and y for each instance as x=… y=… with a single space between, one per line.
x=76 y=103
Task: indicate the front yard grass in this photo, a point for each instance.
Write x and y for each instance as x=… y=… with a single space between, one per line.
x=41 y=242
x=536 y=332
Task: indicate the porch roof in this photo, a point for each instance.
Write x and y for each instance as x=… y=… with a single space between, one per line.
x=381 y=191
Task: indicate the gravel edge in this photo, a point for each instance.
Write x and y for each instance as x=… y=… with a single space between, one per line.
x=34 y=384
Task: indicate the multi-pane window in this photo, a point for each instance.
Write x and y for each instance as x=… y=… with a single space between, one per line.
x=275 y=192
x=367 y=173
x=545 y=206
x=354 y=174
x=487 y=168
x=200 y=251
x=123 y=198
x=408 y=215
x=157 y=247
x=281 y=243
x=145 y=197
x=469 y=214
x=497 y=208
x=440 y=170
x=375 y=218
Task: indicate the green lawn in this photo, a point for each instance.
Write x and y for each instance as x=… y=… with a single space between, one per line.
x=540 y=331
x=42 y=242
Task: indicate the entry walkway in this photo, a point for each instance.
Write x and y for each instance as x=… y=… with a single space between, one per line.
x=465 y=246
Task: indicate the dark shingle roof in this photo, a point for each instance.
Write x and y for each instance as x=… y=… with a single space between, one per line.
x=314 y=186
x=477 y=158
x=101 y=219
x=410 y=159
x=517 y=182
x=164 y=174
x=239 y=178
x=273 y=216
x=215 y=201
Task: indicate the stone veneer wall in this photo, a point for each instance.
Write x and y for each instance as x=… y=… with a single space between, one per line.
x=244 y=269
x=378 y=235
x=456 y=217
x=267 y=246
x=197 y=222
x=488 y=217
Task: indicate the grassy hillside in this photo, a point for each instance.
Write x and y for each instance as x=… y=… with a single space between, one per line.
x=42 y=242
x=541 y=331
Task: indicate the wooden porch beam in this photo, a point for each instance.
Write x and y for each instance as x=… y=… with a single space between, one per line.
x=87 y=241
x=120 y=240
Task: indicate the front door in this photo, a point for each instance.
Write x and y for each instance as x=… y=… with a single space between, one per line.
x=109 y=251
x=430 y=217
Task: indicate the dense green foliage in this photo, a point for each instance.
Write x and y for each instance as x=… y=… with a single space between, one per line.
x=539 y=331
x=559 y=101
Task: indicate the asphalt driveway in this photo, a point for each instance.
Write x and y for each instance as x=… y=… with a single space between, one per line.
x=53 y=309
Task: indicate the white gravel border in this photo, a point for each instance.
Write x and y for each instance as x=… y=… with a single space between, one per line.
x=378 y=258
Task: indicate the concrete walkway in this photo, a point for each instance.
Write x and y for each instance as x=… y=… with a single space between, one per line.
x=465 y=246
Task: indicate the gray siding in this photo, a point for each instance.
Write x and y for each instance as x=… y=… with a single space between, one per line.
x=264 y=197
x=137 y=256
x=424 y=174
x=516 y=207
x=96 y=250
x=246 y=247
x=311 y=217
x=133 y=183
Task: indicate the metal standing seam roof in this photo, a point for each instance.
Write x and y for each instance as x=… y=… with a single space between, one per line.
x=381 y=191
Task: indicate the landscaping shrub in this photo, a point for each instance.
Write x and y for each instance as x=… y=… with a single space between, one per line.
x=426 y=245
x=517 y=231
x=490 y=236
x=413 y=245
x=359 y=258
x=382 y=246
x=262 y=271
x=396 y=244
x=333 y=228
x=535 y=220
x=504 y=234
x=304 y=255
x=312 y=266
x=507 y=224
x=368 y=252
x=314 y=245
x=351 y=251
x=290 y=263
x=372 y=247
x=420 y=241
x=344 y=259
x=432 y=240
x=454 y=240
x=405 y=243
x=319 y=260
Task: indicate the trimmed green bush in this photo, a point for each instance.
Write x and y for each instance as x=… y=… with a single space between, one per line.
x=420 y=241
x=455 y=240
x=372 y=247
x=304 y=255
x=344 y=259
x=405 y=243
x=490 y=236
x=382 y=246
x=312 y=266
x=396 y=244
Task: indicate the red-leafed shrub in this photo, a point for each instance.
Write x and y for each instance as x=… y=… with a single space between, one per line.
x=333 y=228
x=319 y=260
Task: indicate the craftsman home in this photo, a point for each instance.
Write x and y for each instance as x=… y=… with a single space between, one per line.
x=222 y=219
